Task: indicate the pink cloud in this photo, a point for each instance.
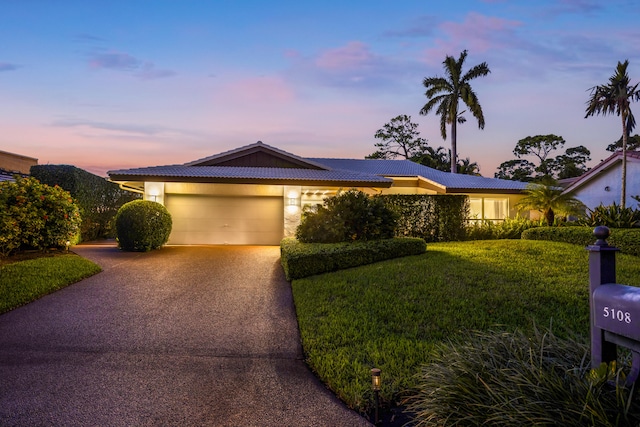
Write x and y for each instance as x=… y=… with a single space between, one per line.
x=477 y=33
x=354 y=55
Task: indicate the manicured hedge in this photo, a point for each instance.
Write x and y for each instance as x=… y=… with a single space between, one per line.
x=99 y=199
x=625 y=239
x=434 y=218
x=307 y=259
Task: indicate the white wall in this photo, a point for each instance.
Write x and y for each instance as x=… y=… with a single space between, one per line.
x=605 y=188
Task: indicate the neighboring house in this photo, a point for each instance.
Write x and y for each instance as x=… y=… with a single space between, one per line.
x=255 y=194
x=602 y=184
x=14 y=164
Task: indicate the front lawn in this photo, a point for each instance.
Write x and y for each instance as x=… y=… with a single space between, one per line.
x=24 y=281
x=390 y=315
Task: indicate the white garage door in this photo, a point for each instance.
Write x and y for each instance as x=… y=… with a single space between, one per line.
x=213 y=220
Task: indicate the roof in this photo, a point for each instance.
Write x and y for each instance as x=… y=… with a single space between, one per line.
x=603 y=166
x=262 y=164
x=406 y=168
x=248 y=174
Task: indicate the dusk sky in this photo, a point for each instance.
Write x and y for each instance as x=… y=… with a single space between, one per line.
x=116 y=84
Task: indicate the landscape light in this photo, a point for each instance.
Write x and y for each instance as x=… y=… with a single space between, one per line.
x=375 y=379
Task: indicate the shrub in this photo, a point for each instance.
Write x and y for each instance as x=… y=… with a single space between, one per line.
x=36 y=216
x=307 y=259
x=498 y=378
x=612 y=216
x=347 y=217
x=510 y=228
x=434 y=218
x=98 y=199
x=627 y=240
x=142 y=225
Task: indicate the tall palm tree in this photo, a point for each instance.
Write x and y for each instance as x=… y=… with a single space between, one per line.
x=444 y=92
x=616 y=97
x=549 y=198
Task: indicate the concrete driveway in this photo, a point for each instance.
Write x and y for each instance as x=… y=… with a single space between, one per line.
x=183 y=336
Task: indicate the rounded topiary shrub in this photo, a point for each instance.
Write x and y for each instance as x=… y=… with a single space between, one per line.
x=142 y=225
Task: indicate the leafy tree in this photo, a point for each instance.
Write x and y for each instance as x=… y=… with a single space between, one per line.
x=616 y=97
x=539 y=146
x=570 y=164
x=399 y=138
x=633 y=143
x=548 y=198
x=445 y=92
x=516 y=170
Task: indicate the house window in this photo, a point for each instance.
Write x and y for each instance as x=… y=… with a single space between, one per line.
x=475 y=208
x=488 y=208
x=496 y=208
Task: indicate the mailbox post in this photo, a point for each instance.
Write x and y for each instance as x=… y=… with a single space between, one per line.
x=614 y=308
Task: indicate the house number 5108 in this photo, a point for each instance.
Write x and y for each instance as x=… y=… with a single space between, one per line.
x=619 y=315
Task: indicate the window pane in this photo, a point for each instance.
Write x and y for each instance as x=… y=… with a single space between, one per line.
x=475 y=208
x=496 y=208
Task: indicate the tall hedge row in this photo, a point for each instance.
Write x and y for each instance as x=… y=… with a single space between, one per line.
x=99 y=199
x=434 y=218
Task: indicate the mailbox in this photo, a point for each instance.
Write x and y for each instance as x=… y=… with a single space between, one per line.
x=616 y=309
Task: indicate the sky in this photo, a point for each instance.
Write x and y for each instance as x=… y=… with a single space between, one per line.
x=115 y=84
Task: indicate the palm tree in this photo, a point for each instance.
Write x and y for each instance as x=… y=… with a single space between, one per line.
x=616 y=97
x=444 y=92
x=466 y=167
x=549 y=198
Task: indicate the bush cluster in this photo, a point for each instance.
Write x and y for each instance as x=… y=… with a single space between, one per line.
x=434 y=218
x=347 y=217
x=307 y=259
x=509 y=228
x=142 y=225
x=98 y=199
x=625 y=239
x=36 y=216
x=510 y=379
x=612 y=216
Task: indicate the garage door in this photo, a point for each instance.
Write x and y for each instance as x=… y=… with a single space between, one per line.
x=213 y=220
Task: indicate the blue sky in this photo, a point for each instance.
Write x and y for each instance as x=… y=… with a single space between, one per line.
x=116 y=84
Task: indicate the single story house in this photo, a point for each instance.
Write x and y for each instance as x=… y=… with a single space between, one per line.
x=254 y=194
x=602 y=184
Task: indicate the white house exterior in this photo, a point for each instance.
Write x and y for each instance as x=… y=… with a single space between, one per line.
x=602 y=184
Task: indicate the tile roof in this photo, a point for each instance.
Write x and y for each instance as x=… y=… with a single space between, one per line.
x=258 y=173
x=407 y=168
x=340 y=171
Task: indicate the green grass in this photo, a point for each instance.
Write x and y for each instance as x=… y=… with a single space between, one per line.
x=25 y=281
x=391 y=314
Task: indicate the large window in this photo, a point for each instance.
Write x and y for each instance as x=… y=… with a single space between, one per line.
x=489 y=208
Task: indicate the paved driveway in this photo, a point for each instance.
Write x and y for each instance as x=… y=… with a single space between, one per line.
x=184 y=336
